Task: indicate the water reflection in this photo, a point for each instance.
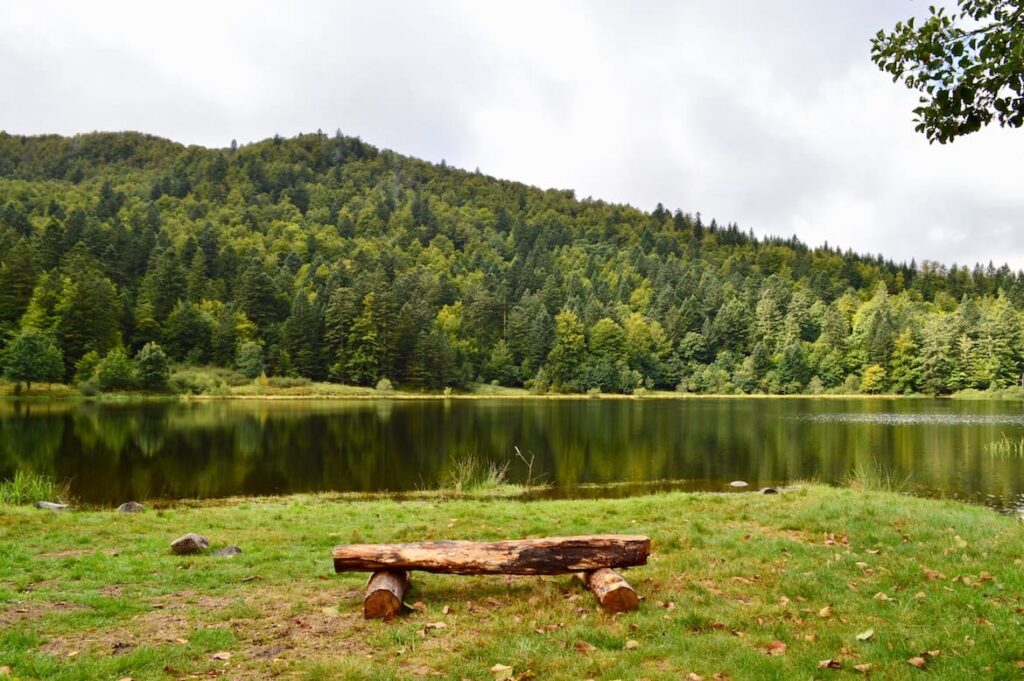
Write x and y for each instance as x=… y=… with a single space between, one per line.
x=112 y=452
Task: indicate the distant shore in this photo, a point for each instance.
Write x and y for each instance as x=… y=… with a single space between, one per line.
x=336 y=391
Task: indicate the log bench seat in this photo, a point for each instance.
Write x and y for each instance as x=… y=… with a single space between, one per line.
x=592 y=558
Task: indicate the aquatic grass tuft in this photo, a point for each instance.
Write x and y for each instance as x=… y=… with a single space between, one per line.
x=1006 y=446
x=877 y=478
x=470 y=474
x=27 y=487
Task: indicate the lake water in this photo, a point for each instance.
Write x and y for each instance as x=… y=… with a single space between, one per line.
x=114 y=452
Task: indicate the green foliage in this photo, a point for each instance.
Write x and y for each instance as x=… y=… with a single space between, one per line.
x=33 y=357
x=324 y=258
x=966 y=64
x=85 y=368
x=568 y=354
x=152 y=366
x=249 y=359
x=116 y=371
x=873 y=380
x=27 y=487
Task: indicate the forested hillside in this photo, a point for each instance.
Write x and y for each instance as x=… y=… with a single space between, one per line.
x=323 y=257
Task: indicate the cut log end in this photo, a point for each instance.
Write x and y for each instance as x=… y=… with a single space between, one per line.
x=384 y=594
x=612 y=590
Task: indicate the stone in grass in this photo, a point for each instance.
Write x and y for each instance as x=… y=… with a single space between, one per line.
x=768 y=490
x=131 y=507
x=50 y=506
x=228 y=552
x=189 y=544
x=738 y=483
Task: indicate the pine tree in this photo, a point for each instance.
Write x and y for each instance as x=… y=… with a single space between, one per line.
x=363 y=356
x=302 y=337
x=905 y=372
x=87 y=308
x=18 y=274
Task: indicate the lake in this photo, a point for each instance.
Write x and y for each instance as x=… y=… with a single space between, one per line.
x=112 y=452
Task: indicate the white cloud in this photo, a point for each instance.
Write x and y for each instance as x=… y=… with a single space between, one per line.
x=767 y=114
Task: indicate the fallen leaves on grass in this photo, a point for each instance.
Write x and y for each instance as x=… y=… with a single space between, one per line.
x=830 y=664
x=775 y=648
x=832 y=539
x=864 y=668
x=584 y=647
x=501 y=672
x=432 y=625
x=632 y=644
x=866 y=635
x=921 y=661
x=222 y=655
x=825 y=612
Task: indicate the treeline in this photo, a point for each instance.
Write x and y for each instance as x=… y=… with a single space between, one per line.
x=323 y=257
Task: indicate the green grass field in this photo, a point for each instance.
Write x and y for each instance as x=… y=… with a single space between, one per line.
x=742 y=586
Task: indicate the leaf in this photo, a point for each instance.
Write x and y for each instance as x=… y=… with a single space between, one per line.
x=632 y=644
x=692 y=676
x=583 y=647
x=775 y=648
x=222 y=655
x=830 y=664
x=445 y=610
x=435 y=625
x=866 y=635
x=501 y=672
x=864 y=668
x=918 y=662
x=825 y=612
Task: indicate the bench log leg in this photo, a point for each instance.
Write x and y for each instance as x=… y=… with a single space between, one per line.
x=614 y=593
x=384 y=594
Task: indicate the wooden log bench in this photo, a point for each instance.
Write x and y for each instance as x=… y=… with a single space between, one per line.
x=592 y=558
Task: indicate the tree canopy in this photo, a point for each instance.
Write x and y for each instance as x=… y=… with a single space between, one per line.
x=967 y=65
x=325 y=258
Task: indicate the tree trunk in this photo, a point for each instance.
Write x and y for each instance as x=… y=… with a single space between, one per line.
x=384 y=594
x=614 y=593
x=550 y=556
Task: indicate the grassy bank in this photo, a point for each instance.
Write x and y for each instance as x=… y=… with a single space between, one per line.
x=201 y=385
x=745 y=586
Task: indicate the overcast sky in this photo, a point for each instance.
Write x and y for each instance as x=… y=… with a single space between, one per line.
x=768 y=114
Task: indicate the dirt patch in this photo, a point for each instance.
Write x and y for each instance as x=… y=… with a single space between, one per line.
x=22 y=611
x=67 y=553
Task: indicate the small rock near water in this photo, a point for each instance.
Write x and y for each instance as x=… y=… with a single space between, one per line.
x=131 y=507
x=767 y=490
x=189 y=544
x=50 y=506
x=738 y=483
x=227 y=552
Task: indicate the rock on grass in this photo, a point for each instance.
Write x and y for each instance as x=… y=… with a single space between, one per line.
x=189 y=544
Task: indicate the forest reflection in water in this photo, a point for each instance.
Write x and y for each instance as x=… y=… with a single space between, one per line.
x=113 y=451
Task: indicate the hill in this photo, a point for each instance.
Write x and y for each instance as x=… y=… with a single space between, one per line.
x=324 y=257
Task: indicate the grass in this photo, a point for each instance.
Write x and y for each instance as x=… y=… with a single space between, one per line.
x=732 y=578
x=27 y=487
x=876 y=478
x=1007 y=447
x=468 y=474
